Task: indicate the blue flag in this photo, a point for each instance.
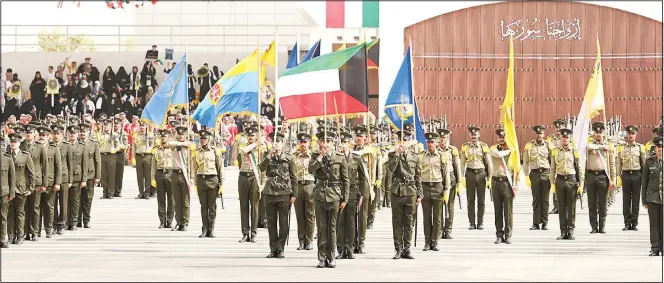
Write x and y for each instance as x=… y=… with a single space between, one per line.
x=172 y=92
x=400 y=106
x=313 y=52
x=293 y=57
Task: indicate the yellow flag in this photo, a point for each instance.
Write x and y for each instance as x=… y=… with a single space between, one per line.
x=268 y=60
x=342 y=47
x=507 y=117
x=248 y=64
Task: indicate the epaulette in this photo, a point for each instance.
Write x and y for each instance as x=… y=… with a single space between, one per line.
x=554 y=152
x=576 y=153
x=7 y=155
x=528 y=146
x=485 y=147
x=315 y=155
x=620 y=148
x=154 y=151
x=455 y=151
x=464 y=146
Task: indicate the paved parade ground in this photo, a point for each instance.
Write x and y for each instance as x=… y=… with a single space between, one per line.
x=124 y=244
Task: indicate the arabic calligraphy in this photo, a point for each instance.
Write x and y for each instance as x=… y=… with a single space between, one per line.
x=528 y=29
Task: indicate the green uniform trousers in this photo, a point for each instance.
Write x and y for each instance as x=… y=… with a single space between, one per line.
x=503 y=198
x=655 y=217
x=566 y=188
x=165 y=199
x=304 y=212
x=32 y=212
x=475 y=190
x=327 y=215
x=540 y=189
x=449 y=207
x=277 y=210
x=597 y=186
x=87 y=194
x=555 y=200
x=74 y=204
x=631 y=191
x=403 y=211
x=208 y=191
x=181 y=197
x=120 y=158
x=432 y=219
x=47 y=209
x=346 y=231
x=373 y=206
x=248 y=192
x=261 y=211
x=108 y=161
x=4 y=210
x=60 y=206
x=16 y=217
x=143 y=167
x=384 y=187
x=363 y=217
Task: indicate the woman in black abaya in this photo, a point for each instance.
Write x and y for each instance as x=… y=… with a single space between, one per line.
x=38 y=95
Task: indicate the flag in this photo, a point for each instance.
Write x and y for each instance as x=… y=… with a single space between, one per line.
x=172 y=92
x=235 y=93
x=268 y=59
x=507 y=121
x=332 y=84
x=237 y=60
x=313 y=52
x=400 y=106
x=593 y=102
x=293 y=58
x=342 y=47
x=352 y=14
x=373 y=53
x=158 y=62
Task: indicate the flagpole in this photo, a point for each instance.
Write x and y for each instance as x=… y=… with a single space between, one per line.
x=412 y=88
x=187 y=106
x=366 y=81
x=276 y=78
x=258 y=63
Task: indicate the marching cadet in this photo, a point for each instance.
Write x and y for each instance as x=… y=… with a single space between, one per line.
x=304 y=202
x=650 y=145
x=406 y=194
x=331 y=193
x=347 y=225
x=600 y=159
x=554 y=142
x=78 y=168
x=374 y=170
x=209 y=169
x=537 y=166
x=38 y=153
x=182 y=177
x=630 y=161
x=435 y=187
x=53 y=182
x=62 y=196
x=248 y=184
x=108 y=143
x=569 y=177
x=279 y=193
x=120 y=157
x=142 y=157
x=25 y=186
x=450 y=156
x=387 y=175
x=160 y=171
x=652 y=196
x=92 y=175
x=241 y=141
x=475 y=163
x=7 y=192
x=502 y=190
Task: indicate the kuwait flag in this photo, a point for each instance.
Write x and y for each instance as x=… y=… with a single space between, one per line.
x=373 y=53
x=352 y=14
x=332 y=84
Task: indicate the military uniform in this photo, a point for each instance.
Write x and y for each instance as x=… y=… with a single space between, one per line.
x=93 y=162
x=376 y=171
x=630 y=161
x=568 y=176
x=332 y=187
x=160 y=170
x=366 y=215
x=650 y=145
x=25 y=183
x=79 y=177
x=598 y=180
x=142 y=156
x=209 y=169
x=38 y=153
x=347 y=226
x=537 y=166
x=53 y=182
x=181 y=174
x=435 y=188
x=7 y=192
x=502 y=191
x=248 y=187
x=554 y=142
x=120 y=157
x=450 y=156
x=304 y=203
x=652 y=198
x=61 y=200
x=108 y=145
x=475 y=163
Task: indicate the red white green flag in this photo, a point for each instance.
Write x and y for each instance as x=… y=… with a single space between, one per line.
x=352 y=14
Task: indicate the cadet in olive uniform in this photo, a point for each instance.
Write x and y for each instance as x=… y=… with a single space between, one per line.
x=537 y=166
x=554 y=142
x=160 y=171
x=248 y=185
x=599 y=178
x=331 y=193
x=304 y=203
x=209 y=169
x=374 y=171
x=93 y=161
x=652 y=196
x=475 y=163
x=630 y=161
x=241 y=141
x=182 y=177
x=279 y=193
x=347 y=225
x=650 y=145
x=503 y=193
x=25 y=186
x=79 y=176
x=108 y=143
x=62 y=195
x=568 y=173
x=37 y=151
x=53 y=183
x=451 y=158
x=120 y=157
x=7 y=192
x=142 y=156
x=406 y=194
x=435 y=187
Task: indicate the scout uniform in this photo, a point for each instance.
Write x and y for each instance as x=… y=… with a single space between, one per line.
x=450 y=156
x=554 y=142
x=348 y=223
x=537 y=166
x=38 y=153
x=209 y=169
x=79 y=176
x=568 y=176
x=108 y=143
x=406 y=188
x=304 y=203
x=503 y=194
x=53 y=182
x=142 y=157
x=160 y=171
x=599 y=156
x=435 y=187
x=332 y=187
x=62 y=196
x=630 y=161
x=248 y=186
x=652 y=197
x=25 y=184
x=181 y=174
x=93 y=162
x=475 y=163
x=7 y=192
x=120 y=157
